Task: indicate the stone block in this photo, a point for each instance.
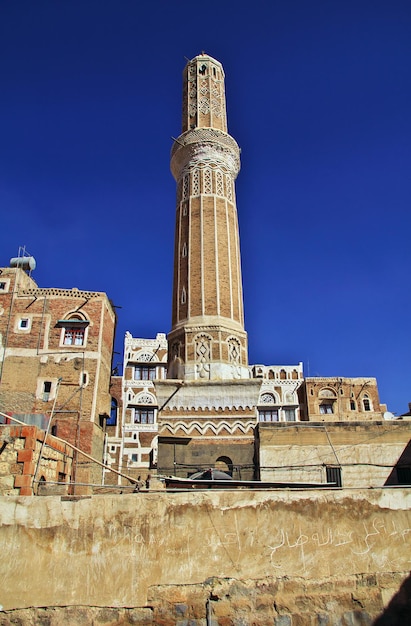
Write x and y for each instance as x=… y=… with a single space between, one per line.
x=4 y=469
x=181 y=609
x=6 y=482
x=357 y=618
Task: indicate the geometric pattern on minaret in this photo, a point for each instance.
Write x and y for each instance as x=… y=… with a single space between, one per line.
x=207 y=340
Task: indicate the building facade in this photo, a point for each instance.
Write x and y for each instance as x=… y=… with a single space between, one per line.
x=55 y=360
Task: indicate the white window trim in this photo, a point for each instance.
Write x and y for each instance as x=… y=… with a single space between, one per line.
x=19 y=328
x=7 y=284
x=72 y=346
x=40 y=389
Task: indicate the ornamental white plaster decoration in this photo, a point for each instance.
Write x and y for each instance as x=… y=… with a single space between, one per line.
x=234 y=350
x=203 y=355
x=215 y=89
x=229 y=187
x=145 y=398
x=208 y=183
x=267 y=398
x=201 y=428
x=290 y=398
x=215 y=107
x=203 y=88
x=204 y=105
x=219 y=183
x=234 y=354
x=144 y=357
x=195 y=183
x=326 y=393
x=196 y=144
x=185 y=187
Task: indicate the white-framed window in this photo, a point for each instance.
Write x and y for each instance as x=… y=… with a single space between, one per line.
x=24 y=323
x=144 y=372
x=84 y=379
x=327 y=408
x=74 y=336
x=47 y=384
x=268 y=415
x=74 y=330
x=289 y=415
x=4 y=285
x=46 y=389
x=143 y=415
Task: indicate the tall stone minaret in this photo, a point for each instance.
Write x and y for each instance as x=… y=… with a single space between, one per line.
x=207 y=340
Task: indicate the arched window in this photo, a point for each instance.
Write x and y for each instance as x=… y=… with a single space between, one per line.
x=290 y=398
x=268 y=398
x=112 y=420
x=366 y=402
x=74 y=329
x=225 y=464
x=327 y=401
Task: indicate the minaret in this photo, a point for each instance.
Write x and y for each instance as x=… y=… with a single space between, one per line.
x=207 y=340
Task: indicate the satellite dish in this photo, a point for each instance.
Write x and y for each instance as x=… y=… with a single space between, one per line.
x=389 y=416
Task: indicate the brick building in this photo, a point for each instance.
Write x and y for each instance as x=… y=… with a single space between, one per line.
x=55 y=361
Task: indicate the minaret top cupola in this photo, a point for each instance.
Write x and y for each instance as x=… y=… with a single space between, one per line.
x=207 y=339
x=204 y=98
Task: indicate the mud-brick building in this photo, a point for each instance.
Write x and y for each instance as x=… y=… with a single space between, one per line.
x=340 y=399
x=132 y=430
x=55 y=361
x=346 y=437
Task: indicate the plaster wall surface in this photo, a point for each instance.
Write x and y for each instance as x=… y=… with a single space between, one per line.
x=368 y=453
x=111 y=551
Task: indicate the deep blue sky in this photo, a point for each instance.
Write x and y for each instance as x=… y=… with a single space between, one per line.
x=318 y=97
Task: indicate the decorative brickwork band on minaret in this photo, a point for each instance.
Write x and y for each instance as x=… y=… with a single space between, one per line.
x=207 y=340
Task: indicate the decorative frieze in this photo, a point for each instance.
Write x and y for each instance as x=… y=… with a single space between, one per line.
x=191 y=427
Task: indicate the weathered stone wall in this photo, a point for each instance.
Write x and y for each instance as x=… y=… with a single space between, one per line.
x=209 y=558
x=20 y=469
x=368 y=453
